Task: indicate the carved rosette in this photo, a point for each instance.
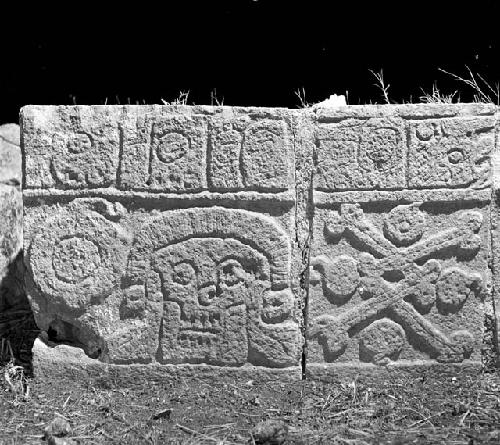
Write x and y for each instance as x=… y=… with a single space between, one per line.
x=76 y=256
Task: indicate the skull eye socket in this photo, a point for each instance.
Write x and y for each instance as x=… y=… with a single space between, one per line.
x=232 y=273
x=184 y=274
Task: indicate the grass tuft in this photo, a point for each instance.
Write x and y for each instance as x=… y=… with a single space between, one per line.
x=182 y=99
x=484 y=92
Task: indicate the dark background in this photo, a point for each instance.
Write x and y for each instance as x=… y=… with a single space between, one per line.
x=251 y=52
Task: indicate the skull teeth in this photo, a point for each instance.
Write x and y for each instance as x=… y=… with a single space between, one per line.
x=202 y=321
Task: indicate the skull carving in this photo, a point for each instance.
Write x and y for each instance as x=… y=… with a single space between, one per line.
x=220 y=278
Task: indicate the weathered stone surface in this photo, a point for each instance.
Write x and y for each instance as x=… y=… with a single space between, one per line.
x=400 y=147
x=174 y=236
x=158 y=148
x=15 y=318
x=397 y=281
x=199 y=285
x=10 y=154
x=361 y=154
x=401 y=248
x=199 y=278
x=70 y=147
x=199 y=148
x=450 y=152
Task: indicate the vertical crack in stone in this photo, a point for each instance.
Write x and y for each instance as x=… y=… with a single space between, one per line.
x=304 y=278
x=304 y=182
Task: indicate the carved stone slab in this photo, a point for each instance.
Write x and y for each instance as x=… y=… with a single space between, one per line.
x=11 y=226
x=134 y=252
x=174 y=236
x=399 y=282
x=401 y=247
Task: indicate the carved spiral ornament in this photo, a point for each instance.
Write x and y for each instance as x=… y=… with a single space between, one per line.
x=75 y=257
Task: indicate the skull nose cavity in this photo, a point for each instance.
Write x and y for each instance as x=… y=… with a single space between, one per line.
x=207 y=294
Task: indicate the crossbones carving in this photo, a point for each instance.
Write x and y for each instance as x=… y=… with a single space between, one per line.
x=392 y=284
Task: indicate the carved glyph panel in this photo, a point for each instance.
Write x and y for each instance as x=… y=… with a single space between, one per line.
x=361 y=154
x=165 y=152
x=395 y=153
x=451 y=152
x=158 y=148
x=176 y=150
x=250 y=154
x=395 y=282
x=70 y=147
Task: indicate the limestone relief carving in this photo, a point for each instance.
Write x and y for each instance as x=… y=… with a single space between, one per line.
x=367 y=155
x=221 y=277
x=397 y=278
x=189 y=152
x=450 y=152
x=71 y=147
x=75 y=256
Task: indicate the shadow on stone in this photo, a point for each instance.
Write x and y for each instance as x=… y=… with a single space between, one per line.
x=18 y=329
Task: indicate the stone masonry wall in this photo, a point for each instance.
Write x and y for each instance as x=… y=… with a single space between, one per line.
x=314 y=239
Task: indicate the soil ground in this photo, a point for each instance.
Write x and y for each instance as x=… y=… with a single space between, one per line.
x=407 y=409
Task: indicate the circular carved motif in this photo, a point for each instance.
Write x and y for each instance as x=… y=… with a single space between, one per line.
x=343 y=276
x=461 y=346
x=171 y=147
x=425 y=132
x=453 y=288
x=75 y=259
x=423 y=296
x=455 y=155
x=404 y=225
x=382 y=340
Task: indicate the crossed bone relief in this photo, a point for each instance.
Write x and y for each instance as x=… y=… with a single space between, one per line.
x=399 y=282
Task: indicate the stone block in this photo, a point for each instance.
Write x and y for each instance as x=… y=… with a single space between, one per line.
x=10 y=154
x=218 y=238
x=404 y=146
x=157 y=266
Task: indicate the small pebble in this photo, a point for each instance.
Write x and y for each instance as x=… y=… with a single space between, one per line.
x=270 y=432
x=59 y=427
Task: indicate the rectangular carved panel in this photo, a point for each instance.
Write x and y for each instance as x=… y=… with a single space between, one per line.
x=177 y=235
x=450 y=152
x=70 y=147
x=399 y=281
x=361 y=154
x=186 y=255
